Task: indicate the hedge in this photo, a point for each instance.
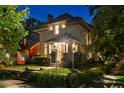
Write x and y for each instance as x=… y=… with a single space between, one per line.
x=71 y=80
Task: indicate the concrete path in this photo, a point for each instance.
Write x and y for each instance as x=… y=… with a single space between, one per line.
x=14 y=84
x=106 y=82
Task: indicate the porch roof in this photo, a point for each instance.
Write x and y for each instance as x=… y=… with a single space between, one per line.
x=62 y=37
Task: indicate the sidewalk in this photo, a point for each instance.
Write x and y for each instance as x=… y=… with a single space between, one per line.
x=14 y=84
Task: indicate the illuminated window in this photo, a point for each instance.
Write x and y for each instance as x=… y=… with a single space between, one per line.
x=63 y=26
x=51 y=28
x=21 y=57
x=50 y=47
x=74 y=47
x=57 y=29
x=65 y=47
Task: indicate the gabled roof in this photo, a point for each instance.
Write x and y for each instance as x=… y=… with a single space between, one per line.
x=65 y=16
x=33 y=44
x=69 y=19
x=29 y=46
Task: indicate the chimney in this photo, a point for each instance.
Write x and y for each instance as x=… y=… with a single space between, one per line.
x=50 y=18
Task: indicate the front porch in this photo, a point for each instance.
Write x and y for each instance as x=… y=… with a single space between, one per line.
x=60 y=53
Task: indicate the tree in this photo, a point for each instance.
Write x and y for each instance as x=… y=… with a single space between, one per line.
x=30 y=25
x=11 y=30
x=108 y=34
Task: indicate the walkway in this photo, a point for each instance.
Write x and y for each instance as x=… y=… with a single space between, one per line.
x=14 y=84
x=106 y=82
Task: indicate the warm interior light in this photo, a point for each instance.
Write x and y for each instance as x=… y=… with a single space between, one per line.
x=63 y=26
x=74 y=47
x=65 y=47
x=63 y=43
x=57 y=29
x=51 y=28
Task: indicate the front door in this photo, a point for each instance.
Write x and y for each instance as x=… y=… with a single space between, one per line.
x=55 y=50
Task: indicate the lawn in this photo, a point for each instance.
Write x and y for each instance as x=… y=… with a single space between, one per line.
x=22 y=67
x=60 y=70
x=52 y=76
x=46 y=69
x=2 y=86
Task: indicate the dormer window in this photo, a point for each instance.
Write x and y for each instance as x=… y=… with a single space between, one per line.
x=51 y=28
x=63 y=26
x=57 y=29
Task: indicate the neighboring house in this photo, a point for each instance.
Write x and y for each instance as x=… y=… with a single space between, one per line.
x=62 y=37
x=27 y=52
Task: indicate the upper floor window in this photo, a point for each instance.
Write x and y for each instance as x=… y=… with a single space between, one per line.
x=63 y=26
x=74 y=47
x=51 y=28
x=57 y=29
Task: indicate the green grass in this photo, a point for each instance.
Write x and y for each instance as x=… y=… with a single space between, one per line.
x=57 y=70
x=60 y=70
x=120 y=77
x=119 y=81
x=22 y=67
x=47 y=69
x=2 y=86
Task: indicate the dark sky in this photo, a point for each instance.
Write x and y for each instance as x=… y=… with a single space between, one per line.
x=41 y=11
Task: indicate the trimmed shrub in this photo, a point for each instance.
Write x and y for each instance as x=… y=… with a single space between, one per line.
x=54 y=80
x=44 y=61
x=47 y=80
x=50 y=80
x=108 y=67
x=76 y=80
x=8 y=74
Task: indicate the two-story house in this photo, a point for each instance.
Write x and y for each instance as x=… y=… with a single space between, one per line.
x=62 y=37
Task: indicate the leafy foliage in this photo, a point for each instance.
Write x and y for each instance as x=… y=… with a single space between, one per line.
x=30 y=25
x=11 y=29
x=108 y=34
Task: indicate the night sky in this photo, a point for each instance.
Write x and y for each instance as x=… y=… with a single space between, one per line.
x=41 y=11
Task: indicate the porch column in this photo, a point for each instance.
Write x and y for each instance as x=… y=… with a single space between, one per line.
x=70 y=50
